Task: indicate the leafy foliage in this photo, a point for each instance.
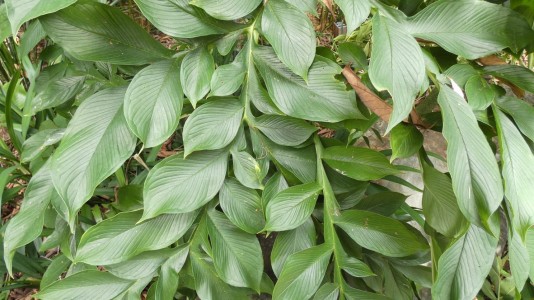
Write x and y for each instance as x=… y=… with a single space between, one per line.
x=239 y=158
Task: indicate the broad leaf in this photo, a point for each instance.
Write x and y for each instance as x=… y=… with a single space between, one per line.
x=464 y=265
x=284 y=130
x=475 y=175
x=98 y=32
x=519 y=260
x=236 y=254
x=384 y=235
x=519 y=76
x=227 y=79
x=167 y=283
x=247 y=170
x=355 y=12
x=242 y=206
x=517 y=161
x=291 y=207
x=178 y=185
x=122 y=237
x=153 y=102
x=521 y=112
x=479 y=93
x=302 y=273
x=291 y=34
x=39 y=142
x=27 y=224
x=397 y=65
x=96 y=143
x=292 y=241
x=85 y=285
x=322 y=98
x=384 y=203
x=21 y=11
x=358 y=163
x=227 y=9
x=57 y=93
x=405 y=141
x=273 y=186
x=328 y=291
x=195 y=74
x=212 y=126
x=471 y=28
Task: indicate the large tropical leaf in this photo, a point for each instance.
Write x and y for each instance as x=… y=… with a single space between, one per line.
x=98 y=32
x=284 y=130
x=96 y=143
x=475 y=175
x=227 y=9
x=242 y=206
x=122 y=237
x=521 y=112
x=397 y=65
x=195 y=74
x=21 y=11
x=153 y=102
x=355 y=12
x=179 y=185
x=39 y=142
x=520 y=76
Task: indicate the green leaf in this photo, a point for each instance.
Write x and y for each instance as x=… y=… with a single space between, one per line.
x=405 y=140
x=291 y=207
x=471 y=28
x=39 y=142
x=355 y=12
x=121 y=237
x=242 y=206
x=284 y=130
x=212 y=126
x=328 y=291
x=520 y=76
x=530 y=247
x=227 y=79
x=195 y=74
x=291 y=241
x=135 y=290
x=475 y=175
x=384 y=203
x=22 y=11
x=193 y=21
x=57 y=267
x=96 y=143
x=5 y=26
x=98 y=32
x=397 y=65
x=303 y=273
x=167 y=283
x=355 y=267
x=517 y=161
x=273 y=186
x=521 y=112
x=439 y=203
x=227 y=9
x=479 y=93
x=27 y=224
x=352 y=53
x=381 y=234
x=247 y=170
x=57 y=93
x=519 y=260
x=153 y=102
x=358 y=163
x=355 y=294
x=141 y=265
x=178 y=185
x=322 y=98
x=291 y=34
x=236 y=255
x=461 y=73
x=463 y=267
x=85 y=285
x=306 y=6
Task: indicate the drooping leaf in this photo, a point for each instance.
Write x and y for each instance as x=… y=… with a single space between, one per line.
x=302 y=273
x=212 y=126
x=520 y=76
x=291 y=34
x=179 y=185
x=517 y=161
x=121 y=237
x=291 y=207
x=98 y=32
x=384 y=235
x=471 y=28
x=322 y=98
x=236 y=254
x=284 y=130
x=195 y=74
x=96 y=143
x=85 y=285
x=227 y=9
x=397 y=65
x=356 y=12
x=27 y=224
x=247 y=170
x=521 y=112
x=463 y=267
x=21 y=11
x=291 y=241
x=153 y=102
x=227 y=79
x=242 y=206
x=38 y=143
x=405 y=140
x=475 y=175
x=358 y=163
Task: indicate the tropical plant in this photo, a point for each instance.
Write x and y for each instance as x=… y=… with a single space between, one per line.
x=236 y=161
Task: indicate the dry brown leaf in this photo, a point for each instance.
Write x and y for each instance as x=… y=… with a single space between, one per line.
x=330 y=6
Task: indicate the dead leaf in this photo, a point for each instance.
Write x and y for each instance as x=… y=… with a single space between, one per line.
x=330 y=6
